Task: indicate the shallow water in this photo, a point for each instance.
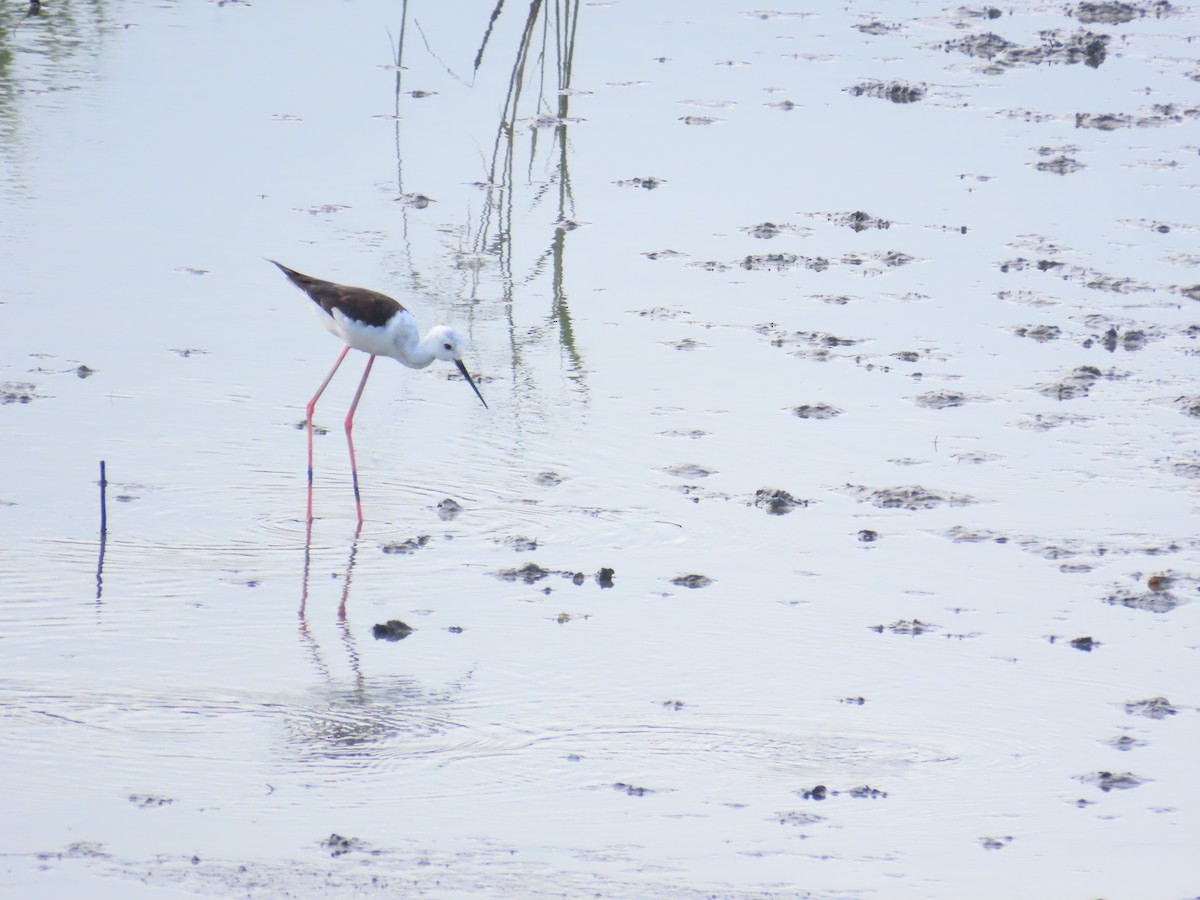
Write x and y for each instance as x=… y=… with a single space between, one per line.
x=980 y=255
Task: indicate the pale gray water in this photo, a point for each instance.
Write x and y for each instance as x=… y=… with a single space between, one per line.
x=643 y=352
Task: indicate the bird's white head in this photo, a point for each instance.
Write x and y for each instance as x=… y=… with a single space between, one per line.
x=446 y=344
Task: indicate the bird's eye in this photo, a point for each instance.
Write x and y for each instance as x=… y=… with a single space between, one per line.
x=447 y=346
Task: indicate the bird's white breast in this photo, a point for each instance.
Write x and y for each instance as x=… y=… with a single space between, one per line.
x=393 y=339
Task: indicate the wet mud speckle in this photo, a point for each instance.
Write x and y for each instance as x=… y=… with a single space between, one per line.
x=911 y=497
x=995 y=843
x=412 y=545
x=1153 y=708
x=148 y=801
x=777 y=502
x=1060 y=165
x=415 y=201
x=1189 y=406
x=687 y=344
x=661 y=312
x=604 y=578
x=324 y=209
x=689 y=470
x=862 y=792
x=648 y=184
x=816 y=411
x=520 y=543
x=632 y=790
x=1050 y=421
x=692 y=581
x=391 y=630
x=767 y=230
x=780 y=262
x=940 y=399
x=1077 y=383
x=530 y=573
x=1125 y=743
x=1155 y=116
x=975 y=457
x=1110 y=781
x=1147 y=601
x=794 y=817
x=77 y=850
x=867 y=536
x=18 y=392
x=858 y=221
x=876 y=28
x=1055 y=47
x=340 y=846
x=84 y=372
x=1039 y=333
x=1113 y=338
x=895 y=91
x=812 y=344
x=912 y=627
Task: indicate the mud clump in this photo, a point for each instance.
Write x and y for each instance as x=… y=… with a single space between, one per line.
x=1147 y=601
x=940 y=399
x=777 y=502
x=910 y=627
x=860 y=221
x=1075 y=384
x=912 y=497
x=632 y=790
x=391 y=630
x=1039 y=333
x=1154 y=708
x=1081 y=47
x=1060 y=165
x=1109 y=781
x=894 y=91
x=815 y=411
x=408 y=547
x=340 y=846
x=18 y=392
x=647 y=183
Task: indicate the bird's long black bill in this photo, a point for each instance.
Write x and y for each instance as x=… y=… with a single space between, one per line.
x=470 y=381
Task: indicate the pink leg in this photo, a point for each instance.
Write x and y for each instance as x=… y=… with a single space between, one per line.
x=308 y=414
x=350 y=439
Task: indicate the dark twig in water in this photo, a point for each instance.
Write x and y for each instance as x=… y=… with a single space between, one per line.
x=103 y=531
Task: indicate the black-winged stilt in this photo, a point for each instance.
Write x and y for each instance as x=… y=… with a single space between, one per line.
x=378 y=326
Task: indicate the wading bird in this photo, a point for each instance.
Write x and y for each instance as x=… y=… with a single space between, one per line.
x=378 y=326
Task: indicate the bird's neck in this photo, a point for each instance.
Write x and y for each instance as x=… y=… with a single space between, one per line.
x=417 y=354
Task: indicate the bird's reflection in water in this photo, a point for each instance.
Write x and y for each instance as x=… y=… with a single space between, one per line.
x=306 y=636
x=358 y=722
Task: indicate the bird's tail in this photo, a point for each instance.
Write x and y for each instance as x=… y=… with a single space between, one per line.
x=299 y=279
